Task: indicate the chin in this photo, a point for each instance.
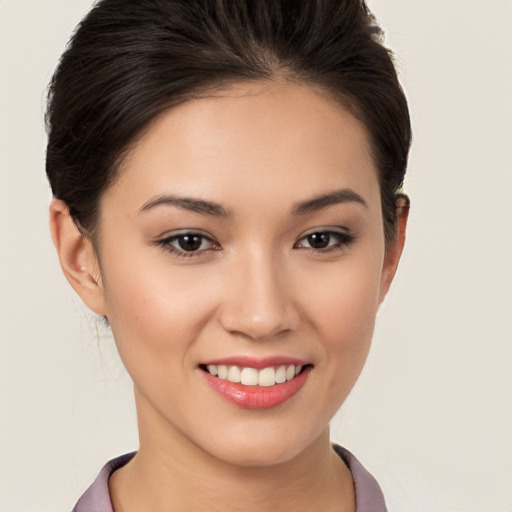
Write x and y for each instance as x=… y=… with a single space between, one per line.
x=262 y=447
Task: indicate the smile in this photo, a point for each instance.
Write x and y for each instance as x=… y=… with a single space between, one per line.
x=264 y=387
x=246 y=376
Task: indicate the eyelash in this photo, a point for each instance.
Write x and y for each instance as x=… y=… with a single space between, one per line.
x=343 y=240
x=166 y=243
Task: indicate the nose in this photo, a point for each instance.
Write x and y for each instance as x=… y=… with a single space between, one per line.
x=258 y=304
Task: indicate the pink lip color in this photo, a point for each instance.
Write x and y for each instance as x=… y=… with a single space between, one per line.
x=257 y=363
x=257 y=397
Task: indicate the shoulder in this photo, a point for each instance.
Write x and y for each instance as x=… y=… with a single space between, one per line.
x=97 y=498
x=369 y=497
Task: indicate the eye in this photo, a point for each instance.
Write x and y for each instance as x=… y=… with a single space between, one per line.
x=188 y=243
x=325 y=240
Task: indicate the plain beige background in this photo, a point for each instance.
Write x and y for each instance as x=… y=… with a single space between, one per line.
x=432 y=414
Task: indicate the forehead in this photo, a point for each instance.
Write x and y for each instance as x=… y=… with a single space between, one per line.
x=258 y=140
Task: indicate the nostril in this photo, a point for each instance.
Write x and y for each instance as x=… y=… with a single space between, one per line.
x=237 y=319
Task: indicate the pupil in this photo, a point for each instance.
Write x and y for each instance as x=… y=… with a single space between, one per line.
x=190 y=242
x=319 y=240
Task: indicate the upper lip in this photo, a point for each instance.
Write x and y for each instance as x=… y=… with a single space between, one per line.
x=256 y=362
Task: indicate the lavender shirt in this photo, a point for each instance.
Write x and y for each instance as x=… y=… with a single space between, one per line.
x=369 y=497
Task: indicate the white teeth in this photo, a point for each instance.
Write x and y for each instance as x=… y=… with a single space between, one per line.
x=212 y=368
x=234 y=374
x=249 y=377
x=222 y=371
x=281 y=375
x=265 y=377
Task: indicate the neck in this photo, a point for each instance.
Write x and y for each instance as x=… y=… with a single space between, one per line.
x=169 y=470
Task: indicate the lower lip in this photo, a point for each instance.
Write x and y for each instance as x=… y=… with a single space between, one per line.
x=257 y=397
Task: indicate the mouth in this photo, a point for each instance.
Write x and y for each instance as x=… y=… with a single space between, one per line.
x=247 y=376
x=256 y=388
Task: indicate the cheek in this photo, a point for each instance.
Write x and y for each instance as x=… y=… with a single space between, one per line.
x=156 y=316
x=154 y=313
x=347 y=303
x=342 y=311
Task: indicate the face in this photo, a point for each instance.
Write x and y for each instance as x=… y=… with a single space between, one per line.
x=244 y=241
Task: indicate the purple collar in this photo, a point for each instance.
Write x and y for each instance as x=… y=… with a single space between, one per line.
x=369 y=497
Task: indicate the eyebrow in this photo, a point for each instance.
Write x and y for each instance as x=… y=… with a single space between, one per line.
x=203 y=207
x=344 y=195
x=187 y=203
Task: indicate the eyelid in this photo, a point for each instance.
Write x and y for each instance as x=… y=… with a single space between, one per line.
x=166 y=242
x=335 y=230
x=326 y=229
x=185 y=231
x=343 y=236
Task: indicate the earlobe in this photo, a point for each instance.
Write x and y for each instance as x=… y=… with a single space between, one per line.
x=395 y=248
x=77 y=258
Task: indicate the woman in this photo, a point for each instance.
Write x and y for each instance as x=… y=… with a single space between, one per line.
x=226 y=178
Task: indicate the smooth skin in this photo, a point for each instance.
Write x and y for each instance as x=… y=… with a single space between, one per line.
x=243 y=170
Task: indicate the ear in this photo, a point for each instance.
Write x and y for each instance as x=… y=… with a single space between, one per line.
x=396 y=246
x=77 y=258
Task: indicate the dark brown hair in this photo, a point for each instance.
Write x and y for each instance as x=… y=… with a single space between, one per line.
x=131 y=59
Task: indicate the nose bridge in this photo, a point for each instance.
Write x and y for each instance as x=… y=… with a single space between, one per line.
x=258 y=303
